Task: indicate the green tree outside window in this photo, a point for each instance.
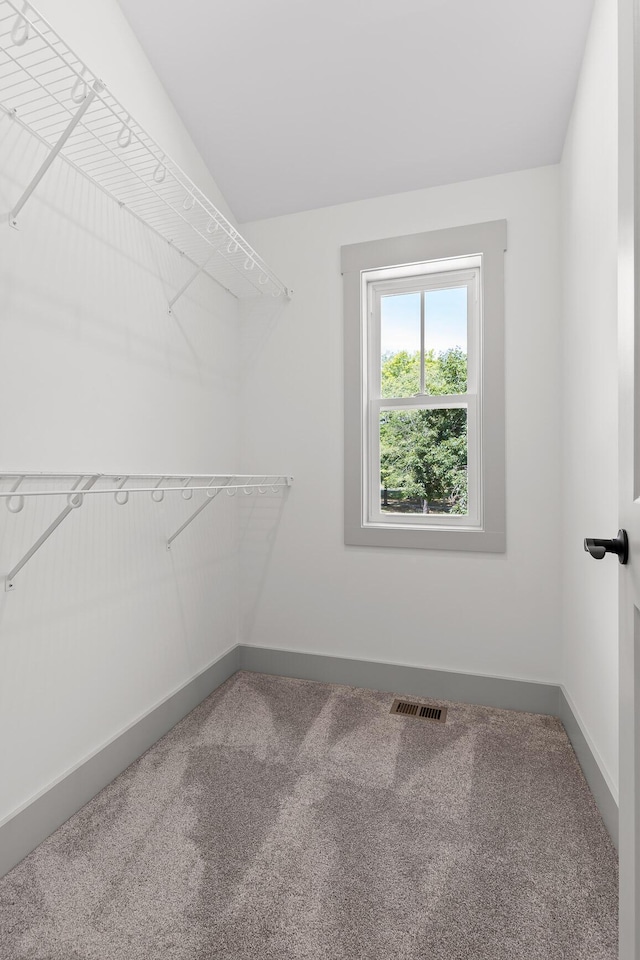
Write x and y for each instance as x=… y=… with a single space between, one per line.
x=423 y=453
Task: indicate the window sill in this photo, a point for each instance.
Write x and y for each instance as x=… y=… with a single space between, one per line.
x=445 y=538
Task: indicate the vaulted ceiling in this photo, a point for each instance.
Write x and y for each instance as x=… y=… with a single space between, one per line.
x=297 y=104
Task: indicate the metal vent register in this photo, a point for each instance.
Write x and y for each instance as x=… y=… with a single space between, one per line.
x=419 y=711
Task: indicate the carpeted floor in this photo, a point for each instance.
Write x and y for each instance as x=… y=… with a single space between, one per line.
x=288 y=820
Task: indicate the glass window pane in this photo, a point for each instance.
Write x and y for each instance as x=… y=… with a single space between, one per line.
x=400 y=345
x=423 y=461
x=446 y=340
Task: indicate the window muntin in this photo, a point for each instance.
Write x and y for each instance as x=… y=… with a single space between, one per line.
x=421 y=444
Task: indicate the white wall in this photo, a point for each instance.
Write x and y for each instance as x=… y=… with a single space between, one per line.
x=94 y=375
x=589 y=390
x=304 y=589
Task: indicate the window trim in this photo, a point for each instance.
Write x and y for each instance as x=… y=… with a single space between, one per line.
x=370 y=262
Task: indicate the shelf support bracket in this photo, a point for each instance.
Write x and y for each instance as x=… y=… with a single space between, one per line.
x=71 y=505
x=98 y=87
x=185 y=286
x=196 y=513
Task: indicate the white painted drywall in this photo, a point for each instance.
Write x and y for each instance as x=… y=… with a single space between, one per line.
x=305 y=589
x=94 y=375
x=589 y=391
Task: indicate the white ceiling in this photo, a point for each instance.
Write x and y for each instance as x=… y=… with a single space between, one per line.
x=297 y=104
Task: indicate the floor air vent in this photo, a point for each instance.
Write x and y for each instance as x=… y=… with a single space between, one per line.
x=419 y=711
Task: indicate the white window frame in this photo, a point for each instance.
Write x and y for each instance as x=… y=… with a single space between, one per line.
x=471 y=256
x=376 y=284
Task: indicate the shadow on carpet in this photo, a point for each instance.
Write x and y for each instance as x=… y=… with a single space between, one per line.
x=291 y=820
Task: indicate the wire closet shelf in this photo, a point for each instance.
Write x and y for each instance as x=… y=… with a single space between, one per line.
x=46 y=87
x=74 y=487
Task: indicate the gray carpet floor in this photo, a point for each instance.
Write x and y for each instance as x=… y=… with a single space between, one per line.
x=289 y=820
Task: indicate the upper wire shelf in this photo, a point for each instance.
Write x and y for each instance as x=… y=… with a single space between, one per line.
x=47 y=88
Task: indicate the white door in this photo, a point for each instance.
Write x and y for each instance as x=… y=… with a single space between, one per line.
x=629 y=467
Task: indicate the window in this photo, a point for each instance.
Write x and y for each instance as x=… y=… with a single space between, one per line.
x=424 y=390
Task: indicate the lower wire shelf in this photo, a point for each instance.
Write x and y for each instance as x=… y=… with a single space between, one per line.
x=18 y=487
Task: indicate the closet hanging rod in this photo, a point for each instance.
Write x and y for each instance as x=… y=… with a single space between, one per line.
x=115 y=490
x=44 y=85
x=240 y=482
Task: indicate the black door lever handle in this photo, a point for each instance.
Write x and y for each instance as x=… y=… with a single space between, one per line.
x=619 y=546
